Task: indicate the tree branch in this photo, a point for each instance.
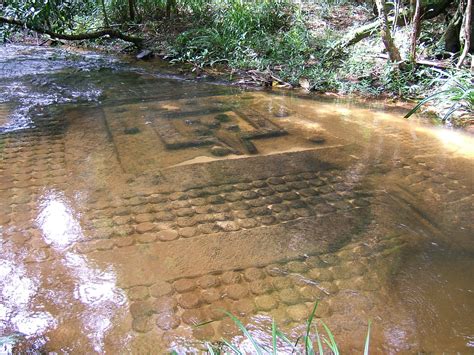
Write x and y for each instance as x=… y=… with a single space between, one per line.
x=386 y=34
x=74 y=37
x=416 y=29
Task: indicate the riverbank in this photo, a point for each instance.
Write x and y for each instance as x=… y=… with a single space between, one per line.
x=223 y=75
x=310 y=47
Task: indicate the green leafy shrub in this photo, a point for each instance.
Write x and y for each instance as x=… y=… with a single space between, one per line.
x=247 y=35
x=56 y=15
x=454 y=94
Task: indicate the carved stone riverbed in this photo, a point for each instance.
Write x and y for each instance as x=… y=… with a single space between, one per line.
x=142 y=205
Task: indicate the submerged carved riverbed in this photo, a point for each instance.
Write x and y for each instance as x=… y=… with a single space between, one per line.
x=135 y=205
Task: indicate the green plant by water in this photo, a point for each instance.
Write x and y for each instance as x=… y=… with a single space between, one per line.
x=454 y=95
x=320 y=343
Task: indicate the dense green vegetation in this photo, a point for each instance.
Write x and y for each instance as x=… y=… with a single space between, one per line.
x=400 y=49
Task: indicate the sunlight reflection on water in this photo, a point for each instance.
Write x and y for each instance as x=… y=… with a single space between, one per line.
x=17 y=293
x=94 y=287
x=57 y=221
x=98 y=290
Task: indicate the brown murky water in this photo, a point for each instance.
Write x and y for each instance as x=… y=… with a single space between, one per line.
x=134 y=206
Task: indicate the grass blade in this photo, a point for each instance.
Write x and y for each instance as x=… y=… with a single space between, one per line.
x=287 y=341
x=320 y=344
x=332 y=343
x=425 y=100
x=298 y=340
x=307 y=340
x=308 y=346
x=231 y=347
x=245 y=331
x=203 y=324
x=210 y=350
x=367 y=340
x=451 y=110
x=274 y=337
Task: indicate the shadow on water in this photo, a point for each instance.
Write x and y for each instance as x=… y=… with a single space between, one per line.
x=133 y=206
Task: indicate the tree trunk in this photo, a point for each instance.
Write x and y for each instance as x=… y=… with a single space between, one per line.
x=451 y=35
x=360 y=33
x=131 y=9
x=104 y=13
x=170 y=5
x=416 y=30
x=396 y=13
x=387 y=39
x=467 y=32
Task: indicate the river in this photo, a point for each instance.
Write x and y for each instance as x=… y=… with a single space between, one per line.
x=135 y=205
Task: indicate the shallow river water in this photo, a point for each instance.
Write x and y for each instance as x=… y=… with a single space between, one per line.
x=136 y=205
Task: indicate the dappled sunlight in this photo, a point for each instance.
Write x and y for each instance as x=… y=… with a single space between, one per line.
x=460 y=143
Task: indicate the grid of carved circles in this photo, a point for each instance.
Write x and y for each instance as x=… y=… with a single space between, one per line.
x=157 y=217
x=286 y=290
